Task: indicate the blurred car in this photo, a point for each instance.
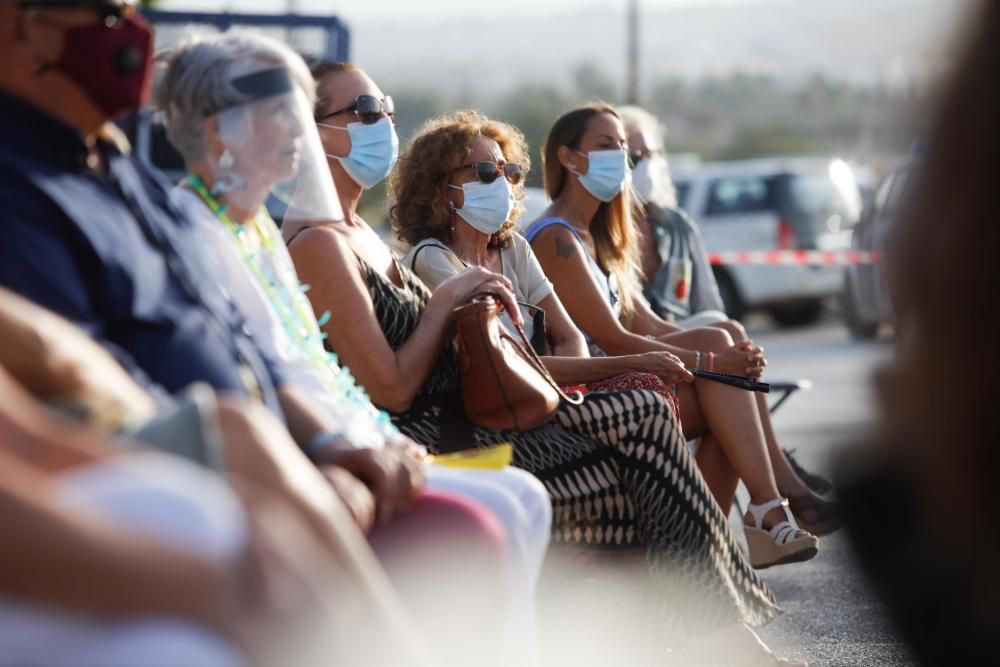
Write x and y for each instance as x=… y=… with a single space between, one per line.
x=865 y=300
x=773 y=204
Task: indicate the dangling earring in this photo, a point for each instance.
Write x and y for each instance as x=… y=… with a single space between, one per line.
x=451 y=221
x=227 y=180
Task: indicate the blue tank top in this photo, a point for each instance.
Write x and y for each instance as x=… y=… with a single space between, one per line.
x=607 y=283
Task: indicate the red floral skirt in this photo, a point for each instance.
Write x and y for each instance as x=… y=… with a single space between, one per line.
x=636 y=380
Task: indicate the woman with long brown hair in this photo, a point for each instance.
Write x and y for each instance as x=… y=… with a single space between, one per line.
x=587 y=244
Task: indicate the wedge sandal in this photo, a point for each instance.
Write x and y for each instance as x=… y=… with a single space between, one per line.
x=785 y=542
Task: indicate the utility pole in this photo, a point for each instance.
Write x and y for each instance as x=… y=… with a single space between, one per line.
x=291 y=7
x=632 y=53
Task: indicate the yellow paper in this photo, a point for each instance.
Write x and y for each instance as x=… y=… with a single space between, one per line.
x=496 y=457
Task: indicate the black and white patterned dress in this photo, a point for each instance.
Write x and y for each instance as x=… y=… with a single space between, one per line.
x=620 y=476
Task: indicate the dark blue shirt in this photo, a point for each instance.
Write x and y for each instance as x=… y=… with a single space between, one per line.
x=109 y=250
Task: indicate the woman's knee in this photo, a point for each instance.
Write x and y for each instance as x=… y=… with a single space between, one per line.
x=712 y=339
x=735 y=330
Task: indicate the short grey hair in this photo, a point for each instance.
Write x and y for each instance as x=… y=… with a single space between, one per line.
x=638 y=118
x=194 y=79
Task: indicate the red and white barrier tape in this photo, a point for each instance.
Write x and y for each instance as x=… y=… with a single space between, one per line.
x=788 y=257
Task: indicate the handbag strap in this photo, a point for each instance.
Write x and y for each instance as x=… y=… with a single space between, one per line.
x=576 y=398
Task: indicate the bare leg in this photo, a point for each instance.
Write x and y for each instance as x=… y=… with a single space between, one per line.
x=731 y=415
x=789 y=483
x=717 y=470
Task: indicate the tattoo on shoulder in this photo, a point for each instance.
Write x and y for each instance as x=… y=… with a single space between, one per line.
x=564 y=249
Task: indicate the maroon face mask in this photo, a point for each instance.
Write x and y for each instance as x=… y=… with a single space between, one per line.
x=113 y=66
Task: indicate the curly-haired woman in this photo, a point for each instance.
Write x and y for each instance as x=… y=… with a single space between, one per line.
x=607 y=491
x=464 y=215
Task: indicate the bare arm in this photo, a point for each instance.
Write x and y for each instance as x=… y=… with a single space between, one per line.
x=38 y=438
x=56 y=361
x=647 y=323
x=392 y=378
x=567 y=340
x=565 y=262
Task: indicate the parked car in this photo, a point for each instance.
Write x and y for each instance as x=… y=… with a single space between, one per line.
x=773 y=204
x=865 y=299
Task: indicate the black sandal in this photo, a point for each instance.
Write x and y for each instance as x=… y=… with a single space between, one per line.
x=818 y=483
x=816 y=515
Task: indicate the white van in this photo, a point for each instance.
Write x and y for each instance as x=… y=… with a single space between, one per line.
x=773 y=204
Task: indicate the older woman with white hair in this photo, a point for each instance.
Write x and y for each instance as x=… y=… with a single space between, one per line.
x=678 y=280
x=239 y=108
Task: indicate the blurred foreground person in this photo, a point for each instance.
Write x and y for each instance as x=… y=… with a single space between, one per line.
x=94 y=234
x=935 y=475
x=51 y=360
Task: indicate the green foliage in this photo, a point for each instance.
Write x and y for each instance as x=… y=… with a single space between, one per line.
x=733 y=117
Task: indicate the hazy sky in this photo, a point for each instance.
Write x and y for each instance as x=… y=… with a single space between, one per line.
x=480 y=46
x=365 y=10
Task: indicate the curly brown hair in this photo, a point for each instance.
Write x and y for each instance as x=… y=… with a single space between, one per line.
x=419 y=208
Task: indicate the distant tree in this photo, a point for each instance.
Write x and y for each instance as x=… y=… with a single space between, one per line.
x=592 y=83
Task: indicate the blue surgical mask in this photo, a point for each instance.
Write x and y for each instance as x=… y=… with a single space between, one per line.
x=607 y=174
x=487 y=205
x=374 y=149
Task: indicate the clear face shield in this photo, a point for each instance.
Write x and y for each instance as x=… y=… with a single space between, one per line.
x=273 y=153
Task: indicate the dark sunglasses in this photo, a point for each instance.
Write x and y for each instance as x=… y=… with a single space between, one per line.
x=487 y=171
x=637 y=156
x=368 y=109
x=112 y=11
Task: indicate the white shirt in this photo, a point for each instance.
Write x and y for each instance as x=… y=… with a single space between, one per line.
x=435 y=262
x=355 y=426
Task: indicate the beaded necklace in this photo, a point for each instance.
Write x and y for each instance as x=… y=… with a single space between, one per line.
x=289 y=301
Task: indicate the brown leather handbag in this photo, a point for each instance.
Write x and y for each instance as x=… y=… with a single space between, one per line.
x=505 y=386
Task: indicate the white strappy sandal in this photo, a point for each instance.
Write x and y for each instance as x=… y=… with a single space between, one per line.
x=783 y=543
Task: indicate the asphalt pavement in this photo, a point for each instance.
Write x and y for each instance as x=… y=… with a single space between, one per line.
x=831 y=617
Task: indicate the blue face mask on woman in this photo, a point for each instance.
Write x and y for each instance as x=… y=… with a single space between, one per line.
x=374 y=149
x=487 y=205
x=607 y=174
